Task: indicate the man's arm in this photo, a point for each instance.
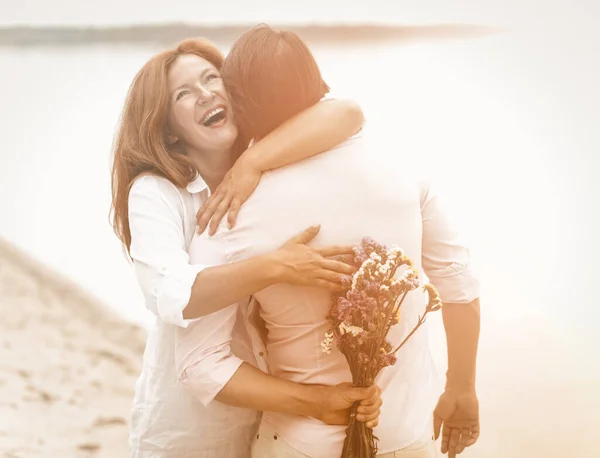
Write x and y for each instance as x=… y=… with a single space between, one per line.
x=461 y=322
x=446 y=261
x=458 y=407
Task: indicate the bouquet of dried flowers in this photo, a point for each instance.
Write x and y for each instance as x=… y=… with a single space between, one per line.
x=361 y=318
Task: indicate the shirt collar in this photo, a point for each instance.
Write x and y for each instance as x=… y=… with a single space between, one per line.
x=197 y=185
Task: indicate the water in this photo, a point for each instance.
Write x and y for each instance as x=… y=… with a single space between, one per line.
x=504 y=123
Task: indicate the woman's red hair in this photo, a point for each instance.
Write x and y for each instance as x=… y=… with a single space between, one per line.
x=141 y=144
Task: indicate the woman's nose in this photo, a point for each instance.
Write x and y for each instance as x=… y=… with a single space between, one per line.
x=204 y=95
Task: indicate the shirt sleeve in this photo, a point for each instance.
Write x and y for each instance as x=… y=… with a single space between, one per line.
x=158 y=248
x=203 y=356
x=446 y=260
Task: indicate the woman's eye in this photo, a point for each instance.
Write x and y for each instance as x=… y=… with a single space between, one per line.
x=181 y=94
x=211 y=77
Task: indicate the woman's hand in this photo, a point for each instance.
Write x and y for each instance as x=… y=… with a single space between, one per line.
x=237 y=185
x=338 y=401
x=300 y=264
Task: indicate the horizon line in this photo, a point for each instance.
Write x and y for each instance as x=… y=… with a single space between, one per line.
x=171 y=32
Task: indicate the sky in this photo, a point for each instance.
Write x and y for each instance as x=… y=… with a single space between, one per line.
x=123 y=12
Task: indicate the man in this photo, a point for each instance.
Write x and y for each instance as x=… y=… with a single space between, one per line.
x=352 y=193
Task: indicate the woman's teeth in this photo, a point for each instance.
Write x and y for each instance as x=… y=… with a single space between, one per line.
x=213 y=116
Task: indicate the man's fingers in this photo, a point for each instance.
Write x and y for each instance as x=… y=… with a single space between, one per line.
x=445 y=438
x=465 y=433
x=338 y=266
x=306 y=235
x=473 y=437
x=335 y=250
x=234 y=209
x=454 y=439
x=437 y=426
x=218 y=215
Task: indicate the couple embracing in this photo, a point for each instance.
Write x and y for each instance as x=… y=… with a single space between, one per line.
x=238 y=188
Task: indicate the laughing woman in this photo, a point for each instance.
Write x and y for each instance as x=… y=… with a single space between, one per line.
x=176 y=143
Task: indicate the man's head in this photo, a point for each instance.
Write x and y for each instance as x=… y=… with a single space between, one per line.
x=270 y=75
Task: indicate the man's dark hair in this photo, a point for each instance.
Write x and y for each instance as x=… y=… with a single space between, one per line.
x=270 y=76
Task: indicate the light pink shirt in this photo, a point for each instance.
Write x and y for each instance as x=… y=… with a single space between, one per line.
x=352 y=192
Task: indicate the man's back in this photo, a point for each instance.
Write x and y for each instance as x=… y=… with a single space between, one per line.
x=352 y=193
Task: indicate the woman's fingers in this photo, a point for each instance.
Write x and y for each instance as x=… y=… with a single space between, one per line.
x=208 y=209
x=330 y=276
x=332 y=286
x=374 y=399
x=338 y=266
x=371 y=415
x=306 y=235
x=218 y=214
x=369 y=409
x=373 y=423
x=335 y=250
x=234 y=209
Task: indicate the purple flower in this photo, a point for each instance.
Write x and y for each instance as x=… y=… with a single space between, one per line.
x=371 y=246
x=346 y=282
x=359 y=255
x=388 y=359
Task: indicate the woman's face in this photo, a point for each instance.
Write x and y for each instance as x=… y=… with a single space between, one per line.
x=199 y=115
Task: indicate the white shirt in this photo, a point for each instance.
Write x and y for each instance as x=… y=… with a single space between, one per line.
x=167 y=421
x=352 y=192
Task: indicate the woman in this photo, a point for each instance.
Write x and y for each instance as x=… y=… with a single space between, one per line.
x=176 y=142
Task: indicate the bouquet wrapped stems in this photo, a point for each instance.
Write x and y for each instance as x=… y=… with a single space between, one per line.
x=361 y=319
x=360 y=440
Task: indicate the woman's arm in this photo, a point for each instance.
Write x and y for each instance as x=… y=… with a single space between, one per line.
x=310 y=132
x=177 y=291
x=218 y=287
x=253 y=389
x=207 y=368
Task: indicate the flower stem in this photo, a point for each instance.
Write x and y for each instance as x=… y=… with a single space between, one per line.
x=421 y=321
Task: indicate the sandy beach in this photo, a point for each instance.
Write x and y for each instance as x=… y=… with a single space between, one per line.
x=67 y=366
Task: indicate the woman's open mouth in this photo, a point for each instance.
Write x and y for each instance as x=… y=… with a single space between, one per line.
x=215 y=117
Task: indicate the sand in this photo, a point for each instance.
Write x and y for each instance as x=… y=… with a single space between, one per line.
x=67 y=366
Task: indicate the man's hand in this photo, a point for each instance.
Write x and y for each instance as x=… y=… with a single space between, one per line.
x=338 y=400
x=458 y=413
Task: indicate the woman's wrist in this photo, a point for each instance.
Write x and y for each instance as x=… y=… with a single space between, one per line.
x=273 y=267
x=313 y=399
x=250 y=160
